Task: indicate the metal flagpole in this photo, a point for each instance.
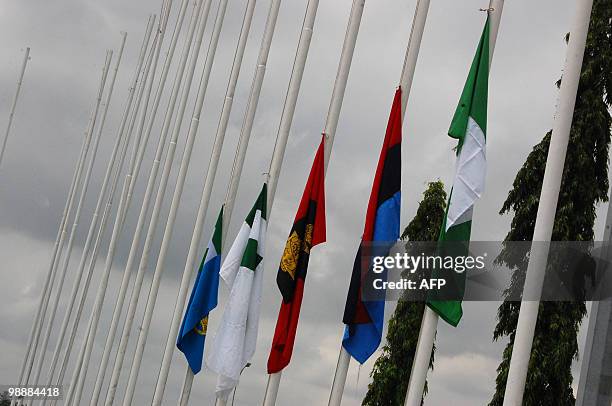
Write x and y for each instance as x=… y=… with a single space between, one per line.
x=247 y=124
x=102 y=193
x=120 y=220
x=521 y=352
x=184 y=167
x=102 y=227
x=129 y=114
x=57 y=251
x=129 y=183
x=281 y=141
x=176 y=200
x=77 y=215
x=14 y=105
x=136 y=362
x=145 y=207
x=249 y=118
x=56 y=248
x=429 y=324
x=192 y=257
x=103 y=221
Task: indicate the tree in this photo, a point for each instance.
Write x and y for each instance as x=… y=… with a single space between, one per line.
x=584 y=185
x=5 y=399
x=392 y=368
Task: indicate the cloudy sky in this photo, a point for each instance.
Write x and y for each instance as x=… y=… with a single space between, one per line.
x=68 y=40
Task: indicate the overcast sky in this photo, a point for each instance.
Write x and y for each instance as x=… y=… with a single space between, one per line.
x=68 y=40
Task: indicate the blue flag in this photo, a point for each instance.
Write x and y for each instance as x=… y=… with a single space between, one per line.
x=203 y=300
x=364 y=319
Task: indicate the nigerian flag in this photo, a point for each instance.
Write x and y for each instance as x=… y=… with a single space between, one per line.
x=469 y=127
x=242 y=272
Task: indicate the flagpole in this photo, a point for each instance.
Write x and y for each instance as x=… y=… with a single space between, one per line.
x=150 y=189
x=534 y=280
x=102 y=193
x=26 y=58
x=282 y=137
x=249 y=118
x=122 y=211
x=247 y=124
x=131 y=178
x=128 y=114
x=427 y=333
x=215 y=155
x=106 y=211
x=178 y=190
x=203 y=208
x=50 y=274
x=140 y=346
x=81 y=200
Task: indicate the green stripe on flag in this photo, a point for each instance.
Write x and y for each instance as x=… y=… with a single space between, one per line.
x=217 y=233
x=473 y=101
x=260 y=204
x=469 y=126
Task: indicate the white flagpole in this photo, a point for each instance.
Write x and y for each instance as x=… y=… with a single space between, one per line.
x=132 y=257
x=192 y=256
x=26 y=58
x=120 y=218
x=176 y=200
x=83 y=194
x=247 y=124
x=249 y=118
x=281 y=142
x=127 y=122
x=56 y=248
x=137 y=360
x=429 y=324
x=130 y=181
x=547 y=208
x=55 y=258
x=104 y=218
x=102 y=193
x=179 y=186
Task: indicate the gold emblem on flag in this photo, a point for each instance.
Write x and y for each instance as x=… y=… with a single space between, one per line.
x=202 y=327
x=291 y=254
x=308 y=238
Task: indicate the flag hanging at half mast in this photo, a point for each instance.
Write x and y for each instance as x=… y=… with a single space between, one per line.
x=242 y=272
x=469 y=127
x=364 y=319
x=203 y=300
x=308 y=230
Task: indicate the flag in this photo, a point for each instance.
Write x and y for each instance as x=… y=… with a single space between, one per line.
x=469 y=127
x=203 y=300
x=308 y=230
x=242 y=272
x=364 y=319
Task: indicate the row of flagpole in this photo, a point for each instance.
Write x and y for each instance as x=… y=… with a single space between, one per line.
x=87 y=348
x=182 y=86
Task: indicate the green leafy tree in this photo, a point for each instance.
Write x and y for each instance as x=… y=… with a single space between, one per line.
x=584 y=185
x=5 y=399
x=392 y=368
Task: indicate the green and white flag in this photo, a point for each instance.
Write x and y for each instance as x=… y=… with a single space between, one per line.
x=469 y=127
x=242 y=272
